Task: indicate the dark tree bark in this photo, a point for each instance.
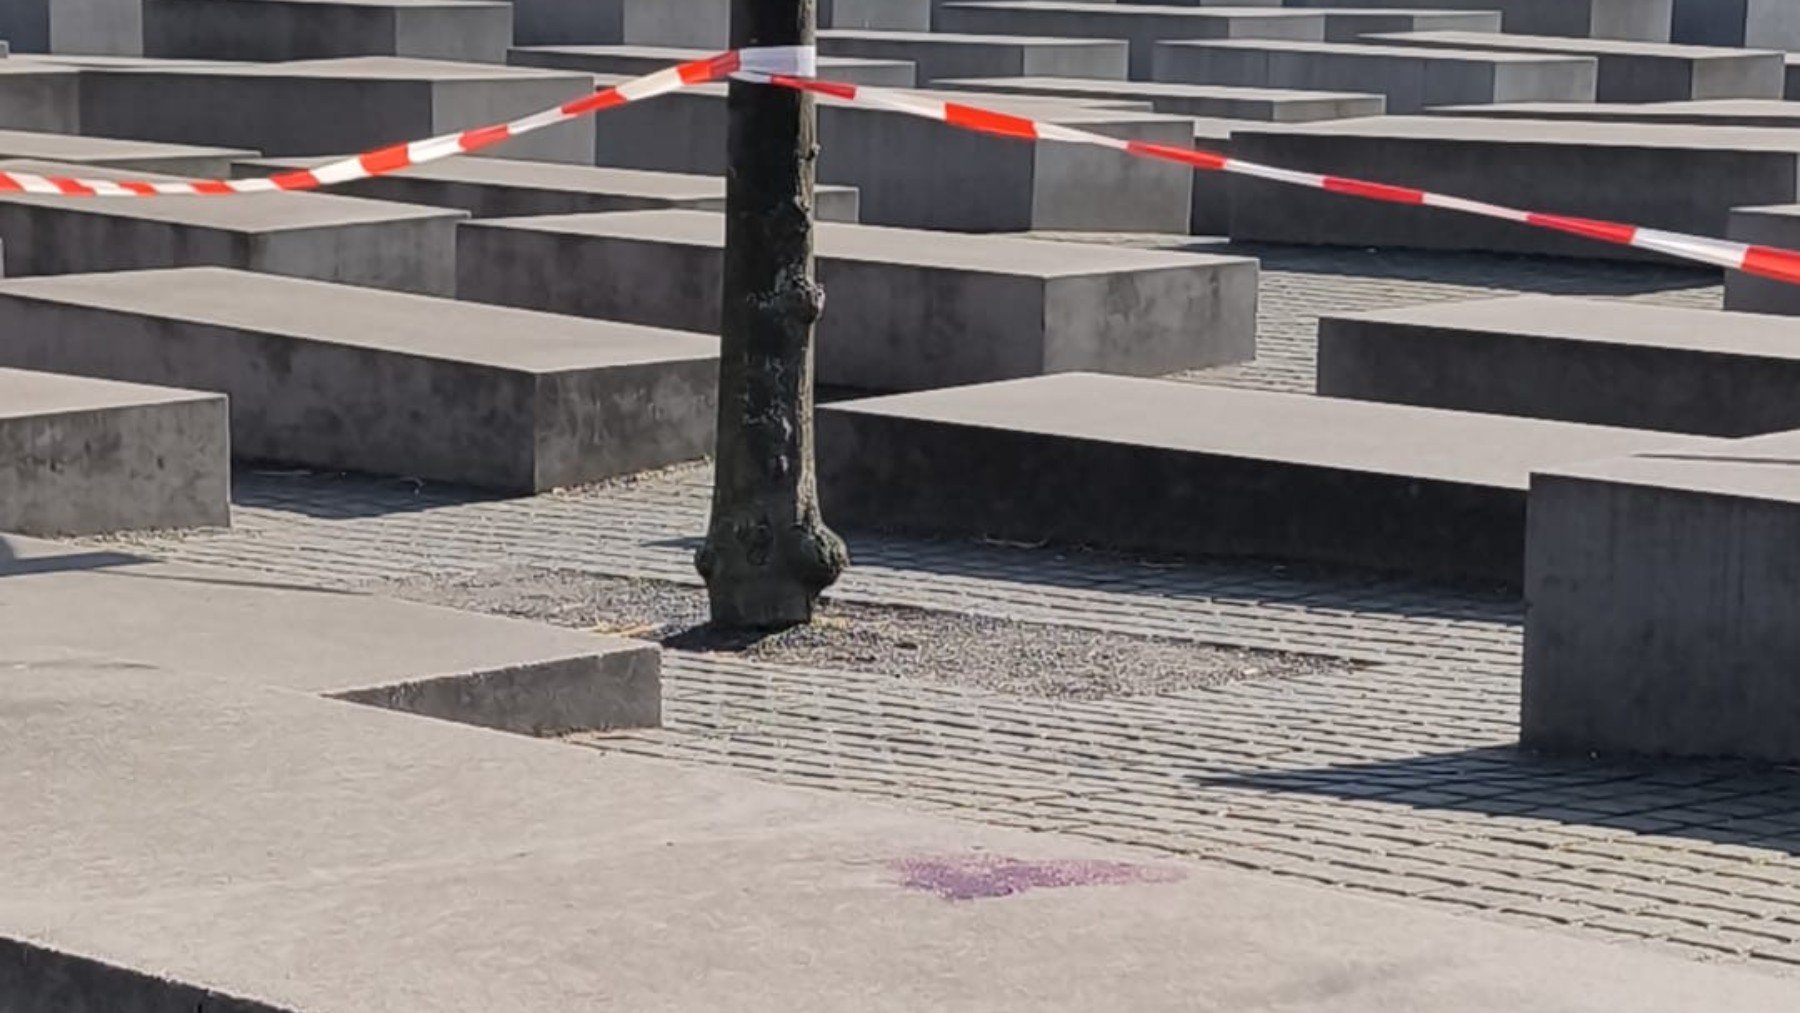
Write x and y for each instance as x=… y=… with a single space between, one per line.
x=768 y=554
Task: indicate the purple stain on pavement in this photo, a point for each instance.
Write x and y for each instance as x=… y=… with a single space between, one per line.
x=973 y=877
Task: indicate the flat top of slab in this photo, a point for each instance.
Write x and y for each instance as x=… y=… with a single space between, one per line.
x=72 y=148
x=400 y=322
x=1044 y=107
x=1760 y=468
x=1360 y=51
x=321 y=856
x=1609 y=322
x=675 y=55
x=512 y=172
x=371 y=68
x=843 y=241
x=236 y=626
x=20 y=66
x=1089 y=7
x=1569 y=44
x=1674 y=111
x=962 y=38
x=255 y=212
x=1360 y=436
x=24 y=393
x=1577 y=133
x=1099 y=86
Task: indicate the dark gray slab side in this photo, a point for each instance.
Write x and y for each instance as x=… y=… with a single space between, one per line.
x=1277 y=105
x=323 y=107
x=1681 y=178
x=1661 y=593
x=111 y=27
x=1163 y=467
x=943 y=54
x=1576 y=360
x=333 y=377
x=477 y=31
x=1646 y=20
x=39 y=96
x=83 y=457
x=502 y=188
x=1776 y=225
x=1769 y=24
x=905 y=310
x=636 y=60
x=402 y=247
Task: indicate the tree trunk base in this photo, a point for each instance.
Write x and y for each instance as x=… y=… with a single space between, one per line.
x=758 y=579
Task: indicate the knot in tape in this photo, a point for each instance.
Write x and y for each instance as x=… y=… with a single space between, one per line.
x=788 y=61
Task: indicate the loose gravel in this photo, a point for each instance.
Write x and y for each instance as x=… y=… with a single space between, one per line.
x=1005 y=656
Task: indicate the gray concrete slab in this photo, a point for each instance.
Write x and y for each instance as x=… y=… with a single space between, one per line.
x=114 y=27
x=233 y=627
x=1646 y=20
x=631 y=61
x=907 y=310
x=1770 y=225
x=1741 y=112
x=1681 y=178
x=334 y=859
x=379 y=244
x=1576 y=360
x=88 y=457
x=1633 y=71
x=1142 y=25
x=1276 y=105
x=39 y=96
x=343 y=378
x=1351 y=24
x=500 y=188
x=1660 y=592
x=946 y=54
x=1164 y=467
x=478 y=31
x=183 y=160
x=917 y=173
x=321 y=107
x=1769 y=24
x=707 y=23
x=1411 y=78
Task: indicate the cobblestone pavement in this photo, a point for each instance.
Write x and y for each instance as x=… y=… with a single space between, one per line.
x=1396 y=776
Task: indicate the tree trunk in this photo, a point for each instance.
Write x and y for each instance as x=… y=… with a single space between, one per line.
x=768 y=554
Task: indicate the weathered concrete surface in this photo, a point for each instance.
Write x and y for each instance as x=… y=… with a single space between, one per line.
x=1633 y=71
x=1773 y=225
x=1575 y=360
x=1142 y=25
x=1278 y=105
x=477 y=31
x=1681 y=178
x=942 y=54
x=1738 y=112
x=1161 y=466
x=342 y=378
x=39 y=96
x=402 y=247
x=303 y=108
x=1661 y=590
x=695 y=23
x=1349 y=25
x=114 y=27
x=919 y=174
x=230 y=626
x=1410 y=77
x=635 y=60
x=85 y=457
x=907 y=310
x=324 y=858
x=501 y=188
x=1646 y=20
x=175 y=159
x=1770 y=24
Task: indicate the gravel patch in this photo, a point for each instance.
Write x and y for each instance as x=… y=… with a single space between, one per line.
x=999 y=655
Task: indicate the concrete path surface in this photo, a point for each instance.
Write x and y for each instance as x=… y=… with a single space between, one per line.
x=193 y=825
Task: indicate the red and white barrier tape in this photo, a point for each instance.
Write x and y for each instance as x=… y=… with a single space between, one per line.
x=1764 y=261
x=795 y=67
